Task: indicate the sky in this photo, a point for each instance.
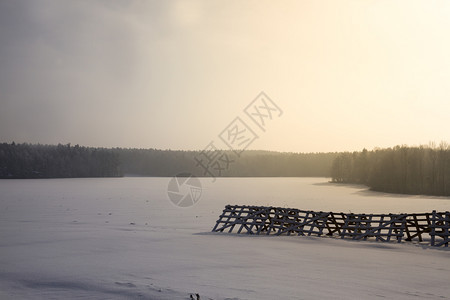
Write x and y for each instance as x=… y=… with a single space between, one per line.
x=345 y=75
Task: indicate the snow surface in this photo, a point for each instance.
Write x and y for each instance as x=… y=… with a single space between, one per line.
x=122 y=238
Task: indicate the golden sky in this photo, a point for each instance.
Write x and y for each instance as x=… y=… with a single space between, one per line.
x=174 y=74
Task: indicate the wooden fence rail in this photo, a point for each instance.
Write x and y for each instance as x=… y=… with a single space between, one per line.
x=426 y=227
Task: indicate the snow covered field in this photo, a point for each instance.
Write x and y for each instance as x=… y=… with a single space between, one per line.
x=121 y=238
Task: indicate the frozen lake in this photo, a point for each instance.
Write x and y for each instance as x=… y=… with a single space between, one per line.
x=121 y=238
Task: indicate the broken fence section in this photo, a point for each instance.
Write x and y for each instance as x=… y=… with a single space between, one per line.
x=425 y=227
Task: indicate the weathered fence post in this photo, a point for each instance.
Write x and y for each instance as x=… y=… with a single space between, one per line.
x=433 y=228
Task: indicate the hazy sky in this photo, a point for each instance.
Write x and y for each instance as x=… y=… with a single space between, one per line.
x=174 y=74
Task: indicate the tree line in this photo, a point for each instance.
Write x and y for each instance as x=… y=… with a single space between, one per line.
x=407 y=170
x=401 y=169
x=250 y=163
x=60 y=161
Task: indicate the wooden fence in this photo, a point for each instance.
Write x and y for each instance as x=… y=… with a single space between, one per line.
x=432 y=228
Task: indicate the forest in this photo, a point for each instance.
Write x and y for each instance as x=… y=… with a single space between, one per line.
x=401 y=169
x=422 y=170
x=61 y=161
x=250 y=163
x=56 y=161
